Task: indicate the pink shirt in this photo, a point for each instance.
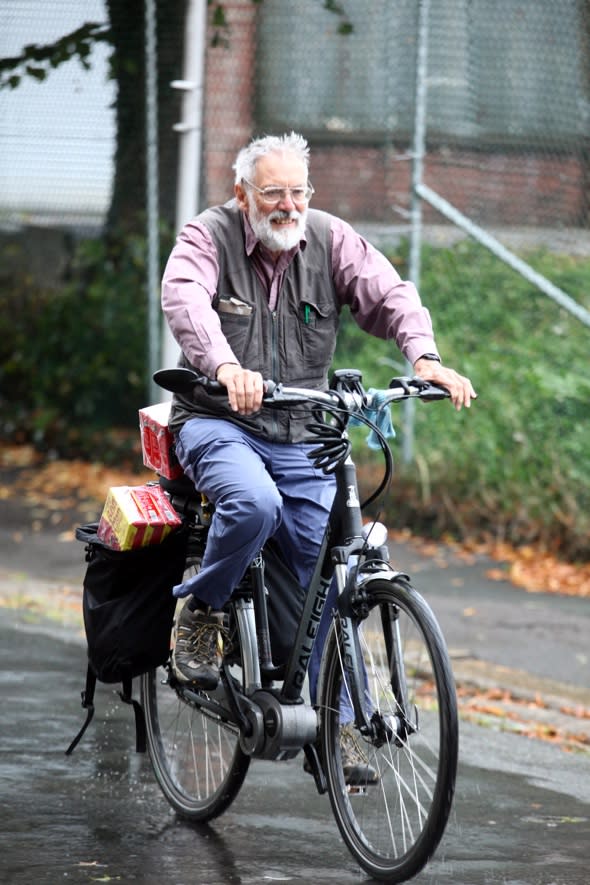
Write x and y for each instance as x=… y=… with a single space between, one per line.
x=381 y=302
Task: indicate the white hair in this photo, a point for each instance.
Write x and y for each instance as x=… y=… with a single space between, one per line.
x=248 y=157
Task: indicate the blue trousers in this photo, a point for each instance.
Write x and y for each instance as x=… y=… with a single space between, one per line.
x=260 y=489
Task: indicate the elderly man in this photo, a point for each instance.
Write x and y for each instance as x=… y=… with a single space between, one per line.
x=254 y=289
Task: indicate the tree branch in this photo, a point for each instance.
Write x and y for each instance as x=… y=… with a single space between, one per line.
x=38 y=60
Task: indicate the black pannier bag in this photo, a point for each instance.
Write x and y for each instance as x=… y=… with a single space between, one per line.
x=128 y=610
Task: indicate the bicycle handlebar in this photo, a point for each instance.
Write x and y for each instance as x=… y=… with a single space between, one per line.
x=347 y=401
x=400 y=388
x=352 y=399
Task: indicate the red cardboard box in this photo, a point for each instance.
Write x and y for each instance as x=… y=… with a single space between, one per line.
x=135 y=516
x=157 y=443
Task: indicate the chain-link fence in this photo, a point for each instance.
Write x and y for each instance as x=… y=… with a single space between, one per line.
x=508 y=110
x=507 y=105
x=491 y=98
x=547 y=136
x=56 y=137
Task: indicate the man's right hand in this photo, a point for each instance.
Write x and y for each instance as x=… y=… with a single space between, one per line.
x=244 y=388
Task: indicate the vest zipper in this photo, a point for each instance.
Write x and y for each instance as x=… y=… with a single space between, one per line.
x=274 y=364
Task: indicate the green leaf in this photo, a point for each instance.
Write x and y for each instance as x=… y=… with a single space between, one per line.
x=219 y=20
x=37 y=73
x=77 y=43
x=332 y=6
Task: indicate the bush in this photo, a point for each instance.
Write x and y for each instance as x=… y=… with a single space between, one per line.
x=73 y=367
x=74 y=361
x=515 y=465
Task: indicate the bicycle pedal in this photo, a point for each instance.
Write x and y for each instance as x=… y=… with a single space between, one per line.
x=354 y=790
x=312 y=765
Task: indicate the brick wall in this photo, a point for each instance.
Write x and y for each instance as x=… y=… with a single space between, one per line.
x=229 y=96
x=372 y=183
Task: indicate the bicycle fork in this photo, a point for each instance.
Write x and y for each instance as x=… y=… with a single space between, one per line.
x=372 y=723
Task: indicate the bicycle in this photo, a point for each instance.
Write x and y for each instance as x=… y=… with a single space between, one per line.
x=385 y=655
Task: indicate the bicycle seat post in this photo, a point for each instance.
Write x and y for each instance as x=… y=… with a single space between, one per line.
x=261 y=611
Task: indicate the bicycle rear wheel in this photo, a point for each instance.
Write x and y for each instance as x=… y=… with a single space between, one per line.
x=195 y=752
x=196 y=758
x=393 y=826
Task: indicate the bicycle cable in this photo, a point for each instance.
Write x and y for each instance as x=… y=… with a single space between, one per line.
x=334 y=448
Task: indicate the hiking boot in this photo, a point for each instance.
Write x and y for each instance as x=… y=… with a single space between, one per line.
x=355 y=763
x=198 y=647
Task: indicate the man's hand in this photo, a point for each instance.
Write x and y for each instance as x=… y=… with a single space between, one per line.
x=459 y=387
x=244 y=388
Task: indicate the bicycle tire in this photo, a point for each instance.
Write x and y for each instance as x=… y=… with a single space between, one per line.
x=196 y=756
x=394 y=826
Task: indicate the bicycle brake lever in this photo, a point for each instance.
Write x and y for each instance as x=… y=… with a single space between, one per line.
x=404 y=383
x=426 y=390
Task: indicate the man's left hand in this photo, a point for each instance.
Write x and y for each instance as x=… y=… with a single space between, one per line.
x=459 y=387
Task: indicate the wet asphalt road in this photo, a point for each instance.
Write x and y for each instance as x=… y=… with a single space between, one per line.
x=522 y=809
x=521 y=816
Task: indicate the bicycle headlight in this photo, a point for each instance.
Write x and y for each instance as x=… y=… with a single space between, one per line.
x=375 y=534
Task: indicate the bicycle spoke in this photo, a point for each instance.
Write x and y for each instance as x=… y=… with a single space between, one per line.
x=196 y=756
x=393 y=826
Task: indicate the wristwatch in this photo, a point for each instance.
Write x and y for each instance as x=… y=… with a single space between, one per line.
x=429 y=356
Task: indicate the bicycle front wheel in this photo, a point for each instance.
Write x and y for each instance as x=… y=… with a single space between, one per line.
x=393 y=816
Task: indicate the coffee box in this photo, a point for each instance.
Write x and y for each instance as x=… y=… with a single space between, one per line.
x=135 y=516
x=157 y=443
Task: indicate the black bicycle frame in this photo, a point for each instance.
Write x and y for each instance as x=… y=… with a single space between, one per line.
x=344 y=526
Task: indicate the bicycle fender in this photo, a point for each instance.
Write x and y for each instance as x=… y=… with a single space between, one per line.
x=351 y=600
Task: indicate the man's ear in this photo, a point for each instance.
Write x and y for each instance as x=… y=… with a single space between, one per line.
x=241 y=198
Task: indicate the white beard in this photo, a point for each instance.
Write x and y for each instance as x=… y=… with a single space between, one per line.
x=275 y=239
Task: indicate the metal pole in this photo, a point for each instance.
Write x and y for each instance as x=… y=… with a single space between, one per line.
x=478 y=233
x=152 y=197
x=418 y=152
x=190 y=131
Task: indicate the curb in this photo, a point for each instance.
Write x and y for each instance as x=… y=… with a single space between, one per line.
x=517 y=701
x=56 y=602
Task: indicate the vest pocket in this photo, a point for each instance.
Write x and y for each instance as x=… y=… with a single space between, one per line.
x=236 y=318
x=316 y=329
x=234 y=306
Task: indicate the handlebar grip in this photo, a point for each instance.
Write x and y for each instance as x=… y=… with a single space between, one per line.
x=426 y=390
x=181 y=380
x=215 y=388
x=433 y=392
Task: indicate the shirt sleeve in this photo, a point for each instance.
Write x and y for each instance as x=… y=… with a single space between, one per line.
x=189 y=285
x=380 y=301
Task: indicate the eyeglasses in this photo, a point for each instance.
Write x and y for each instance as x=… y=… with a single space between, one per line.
x=273 y=195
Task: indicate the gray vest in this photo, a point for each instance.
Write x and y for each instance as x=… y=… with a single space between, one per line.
x=293 y=345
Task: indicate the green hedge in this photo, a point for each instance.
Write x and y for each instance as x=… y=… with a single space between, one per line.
x=73 y=361
x=514 y=466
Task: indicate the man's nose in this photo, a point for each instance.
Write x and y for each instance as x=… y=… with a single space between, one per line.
x=287 y=202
